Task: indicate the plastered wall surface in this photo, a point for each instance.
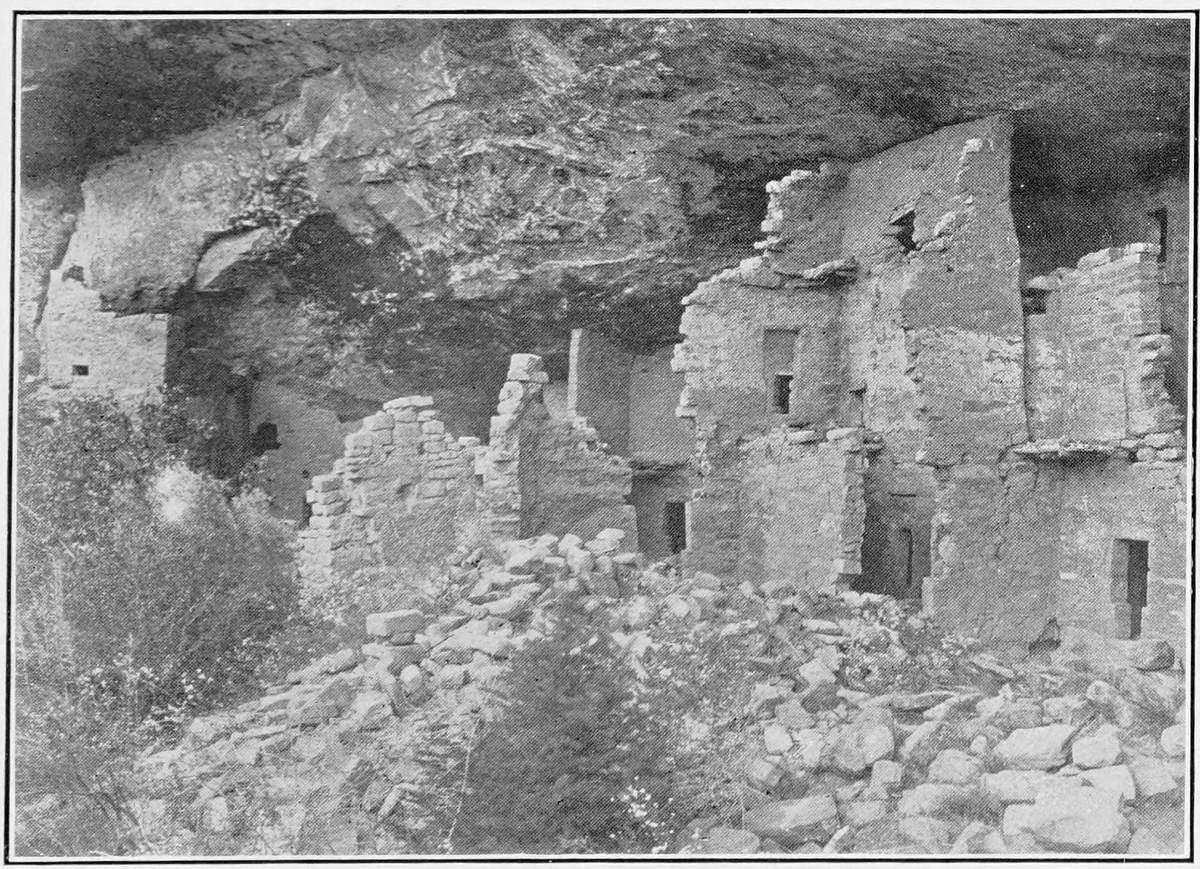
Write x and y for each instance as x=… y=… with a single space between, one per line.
x=655 y=433
x=806 y=510
x=124 y=356
x=598 y=387
x=995 y=548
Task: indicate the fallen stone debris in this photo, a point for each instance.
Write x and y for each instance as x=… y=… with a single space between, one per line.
x=1052 y=754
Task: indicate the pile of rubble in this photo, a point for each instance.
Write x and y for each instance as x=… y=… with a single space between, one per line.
x=1026 y=756
x=1051 y=760
x=341 y=708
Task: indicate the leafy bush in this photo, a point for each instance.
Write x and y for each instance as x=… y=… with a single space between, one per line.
x=145 y=592
x=573 y=762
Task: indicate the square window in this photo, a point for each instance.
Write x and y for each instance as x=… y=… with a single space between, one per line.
x=79 y=371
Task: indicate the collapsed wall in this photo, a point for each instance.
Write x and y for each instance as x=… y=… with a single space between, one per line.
x=407 y=495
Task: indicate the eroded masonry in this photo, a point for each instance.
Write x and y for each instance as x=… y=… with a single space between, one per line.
x=949 y=375
x=884 y=398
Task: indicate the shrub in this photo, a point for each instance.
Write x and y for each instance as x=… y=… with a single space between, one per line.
x=573 y=760
x=145 y=591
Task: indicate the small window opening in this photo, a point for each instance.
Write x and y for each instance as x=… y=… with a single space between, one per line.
x=779 y=353
x=265 y=437
x=1033 y=301
x=1130 y=580
x=781 y=398
x=906 y=226
x=79 y=370
x=74 y=273
x=675 y=525
x=1159 y=216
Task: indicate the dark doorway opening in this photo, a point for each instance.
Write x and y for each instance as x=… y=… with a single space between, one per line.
x=1130 y=579
x=781 y=399
x=1159 y=216
x=907 y=551
x=906 y=227
x=675 y=525
x=265 y=437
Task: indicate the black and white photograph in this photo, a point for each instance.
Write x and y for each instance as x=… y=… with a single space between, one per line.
x=711 y=435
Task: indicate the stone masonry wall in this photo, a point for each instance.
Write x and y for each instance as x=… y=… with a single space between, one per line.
x=542 y=474
x=598 y=387
x=1111 y=349
x=926 y=329
x=954 y=279
x=996 y=542
x=805 y=512
x=1118 y=499
x=406 y=494
x=89 y=351
x=400 y=468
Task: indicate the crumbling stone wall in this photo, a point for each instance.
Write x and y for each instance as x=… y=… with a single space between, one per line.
x=89 y=351
x=407 y=494
x=308 y=438
x=898 y=276
x=984 y=419
x=1105 y=456
x=1107 y=341
x=402 y=479
x=740 y=512
x=542 y=474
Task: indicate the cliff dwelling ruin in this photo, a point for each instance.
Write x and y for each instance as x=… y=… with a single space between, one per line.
x=954 y=372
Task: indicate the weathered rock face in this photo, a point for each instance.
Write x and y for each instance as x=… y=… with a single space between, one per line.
x=603 y=167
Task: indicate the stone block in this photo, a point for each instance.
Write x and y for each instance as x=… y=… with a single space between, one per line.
x=1153 y=779
x=776 y=739
x=1114 y=779
x=1151 y=655
x=1080 y=820
x=1035 y=747
x=795 y=822
x=525 y=367
x=764 y=773
x=395 y=622
x=952 y=766
x=1101 y=749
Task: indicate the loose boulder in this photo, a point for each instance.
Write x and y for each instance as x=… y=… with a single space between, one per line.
x=1079 y=820
x=1035 y=747
x=794 y=822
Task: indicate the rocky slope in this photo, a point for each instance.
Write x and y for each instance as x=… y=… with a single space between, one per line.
x=861 y=727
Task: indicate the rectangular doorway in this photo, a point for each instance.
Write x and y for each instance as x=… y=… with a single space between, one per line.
x=1130 y=580
x=675 y=525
